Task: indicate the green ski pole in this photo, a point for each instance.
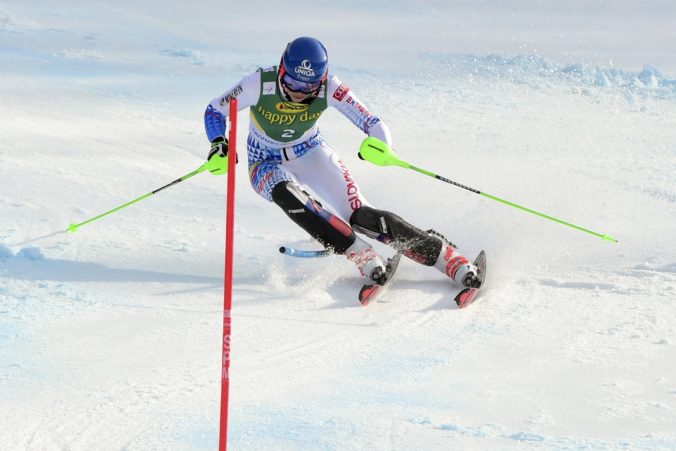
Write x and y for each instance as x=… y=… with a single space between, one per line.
x=215 y=165
x=379 y=153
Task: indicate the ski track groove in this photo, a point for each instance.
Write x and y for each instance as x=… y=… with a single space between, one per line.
x=82 y=431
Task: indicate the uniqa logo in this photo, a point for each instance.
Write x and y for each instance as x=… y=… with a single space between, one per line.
x=305 y=69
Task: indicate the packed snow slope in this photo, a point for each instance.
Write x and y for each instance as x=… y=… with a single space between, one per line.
x=110 y=337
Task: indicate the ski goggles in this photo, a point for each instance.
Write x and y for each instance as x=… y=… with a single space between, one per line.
x=300 y=86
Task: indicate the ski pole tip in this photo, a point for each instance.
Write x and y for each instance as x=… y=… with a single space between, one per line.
x=609 y=238
x=72 y=228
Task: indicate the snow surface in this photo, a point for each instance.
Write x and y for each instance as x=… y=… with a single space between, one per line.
x=110 y=337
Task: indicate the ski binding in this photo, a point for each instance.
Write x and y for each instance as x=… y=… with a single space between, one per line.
x=371 y=291
x=469 y=294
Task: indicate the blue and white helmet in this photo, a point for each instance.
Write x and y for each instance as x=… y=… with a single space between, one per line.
x=304 y=66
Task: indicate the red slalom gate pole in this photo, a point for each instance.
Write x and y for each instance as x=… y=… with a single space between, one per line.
x=227 y=288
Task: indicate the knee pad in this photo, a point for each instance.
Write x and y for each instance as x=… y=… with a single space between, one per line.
x=321 y=224
x=390 y=229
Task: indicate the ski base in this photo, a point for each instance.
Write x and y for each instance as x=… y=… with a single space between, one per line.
x=371 y=291
x=469 y=295
x=466 y=297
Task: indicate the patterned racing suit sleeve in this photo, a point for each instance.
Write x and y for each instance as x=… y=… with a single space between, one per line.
x=344 y=100
x=246 y=91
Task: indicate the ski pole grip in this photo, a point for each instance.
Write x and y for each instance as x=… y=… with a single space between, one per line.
x=380 y=153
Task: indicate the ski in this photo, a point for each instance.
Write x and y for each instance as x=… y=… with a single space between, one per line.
x=371 y=291
x=303 y=253
x=469 y=295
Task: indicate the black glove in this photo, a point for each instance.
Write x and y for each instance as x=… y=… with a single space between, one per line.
x=219 y=146
x=217 y=161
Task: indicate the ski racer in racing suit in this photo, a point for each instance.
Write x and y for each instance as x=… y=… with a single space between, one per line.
x=287 y=155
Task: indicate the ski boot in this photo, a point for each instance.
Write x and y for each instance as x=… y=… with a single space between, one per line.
x=455 y=265
x=369 y=263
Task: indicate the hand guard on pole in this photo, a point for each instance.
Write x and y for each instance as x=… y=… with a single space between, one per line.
x=217 y=160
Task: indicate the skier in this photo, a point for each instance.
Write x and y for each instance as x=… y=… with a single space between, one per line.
x=287 y=154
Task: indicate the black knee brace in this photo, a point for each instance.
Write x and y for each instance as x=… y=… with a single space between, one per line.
x=325 y=227
x=390 y=229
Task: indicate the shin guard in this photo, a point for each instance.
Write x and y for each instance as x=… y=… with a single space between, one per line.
x=390 y=229
x=321 y=224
